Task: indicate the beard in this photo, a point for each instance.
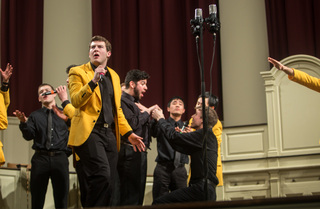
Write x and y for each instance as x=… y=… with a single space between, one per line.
x=136 y=93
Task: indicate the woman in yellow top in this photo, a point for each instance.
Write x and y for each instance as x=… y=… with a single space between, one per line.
x=4 y=103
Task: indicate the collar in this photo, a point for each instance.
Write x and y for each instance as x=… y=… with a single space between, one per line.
x=94 y=68
x=172 y=121
x=128 y=96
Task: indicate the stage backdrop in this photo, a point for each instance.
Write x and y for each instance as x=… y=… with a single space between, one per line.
x=21 y=46
x=156 y=37
x=293 y=27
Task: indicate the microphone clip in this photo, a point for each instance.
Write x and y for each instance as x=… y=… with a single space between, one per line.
x=196 y=25
x=213 y=24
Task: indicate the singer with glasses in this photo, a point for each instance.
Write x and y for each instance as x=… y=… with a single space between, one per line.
x=98 y=122
x=192 y=144
x=170 y=173
x=50 y=160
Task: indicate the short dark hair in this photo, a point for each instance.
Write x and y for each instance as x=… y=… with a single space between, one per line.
x=69 y=67
x=103 y=39
x=45 y=84
x=173 y=98
x=213 y=99
x=212 y=118
x=135 y=75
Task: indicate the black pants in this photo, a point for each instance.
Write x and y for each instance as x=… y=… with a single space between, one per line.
x=167 y=178
x=193 y=193
x=132 y=170
x=99 y=156
x=44 y=167
x=83 y=183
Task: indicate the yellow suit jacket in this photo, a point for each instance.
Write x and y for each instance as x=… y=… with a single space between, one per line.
x=4 y=103
x=88 y=105
x=69 y=110
x=217 y=130
x=306 y=80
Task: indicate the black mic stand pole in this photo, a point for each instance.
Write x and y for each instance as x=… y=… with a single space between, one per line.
x=197 y=25
x=204 y=117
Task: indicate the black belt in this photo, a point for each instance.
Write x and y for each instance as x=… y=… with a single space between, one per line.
x=49 y=153
x=104 y=125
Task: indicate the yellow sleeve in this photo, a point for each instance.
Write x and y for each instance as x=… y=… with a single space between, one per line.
x=306 y=80
x=69 y=110
x=80 y=91
x=4 y=103
x=217 y=130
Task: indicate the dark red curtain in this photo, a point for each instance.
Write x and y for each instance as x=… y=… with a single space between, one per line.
x=21 y=46
x=293 y=27
x=155 y=36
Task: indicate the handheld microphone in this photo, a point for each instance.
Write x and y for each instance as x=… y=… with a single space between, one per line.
x=185 y=124
x=101 y=74
x=49 y=92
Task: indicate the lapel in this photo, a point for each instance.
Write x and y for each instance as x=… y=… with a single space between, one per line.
x=90 y=73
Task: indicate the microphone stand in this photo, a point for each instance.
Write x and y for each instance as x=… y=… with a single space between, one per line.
x=214 y=27
x=204 y=116
x=198 y=33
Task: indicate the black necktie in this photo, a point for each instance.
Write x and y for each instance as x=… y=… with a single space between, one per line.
x=49 y=130
x=177 y=155
x=106 y=101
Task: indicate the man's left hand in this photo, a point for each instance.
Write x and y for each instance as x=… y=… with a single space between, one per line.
x=136 y=142
x=157 y=114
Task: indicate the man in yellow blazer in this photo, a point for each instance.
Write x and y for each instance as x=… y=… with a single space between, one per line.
x=96 y=95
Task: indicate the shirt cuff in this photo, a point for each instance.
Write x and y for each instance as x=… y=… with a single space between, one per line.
x=92 y=85
x=128 y=134
x=64 y=104
x=4 y=88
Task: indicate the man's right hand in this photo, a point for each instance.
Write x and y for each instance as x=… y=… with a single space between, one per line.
x=21 y=116
x=62 y=93
x=99 y=70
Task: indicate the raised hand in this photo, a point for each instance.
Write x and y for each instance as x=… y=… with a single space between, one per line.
x=280 y=66
x=5 y=75
x=21 y=116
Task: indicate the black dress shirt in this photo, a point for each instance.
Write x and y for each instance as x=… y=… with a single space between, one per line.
x=36 y=128
x=165 y=151
x=107 y=96
x=191 y=144
x=138 y=121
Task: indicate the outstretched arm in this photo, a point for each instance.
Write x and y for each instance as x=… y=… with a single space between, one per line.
x=280 y=66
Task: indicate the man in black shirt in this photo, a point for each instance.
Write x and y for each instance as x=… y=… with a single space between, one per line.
x=132 y=166
x=170 y=172
x=192 y=144
x=50 y=160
